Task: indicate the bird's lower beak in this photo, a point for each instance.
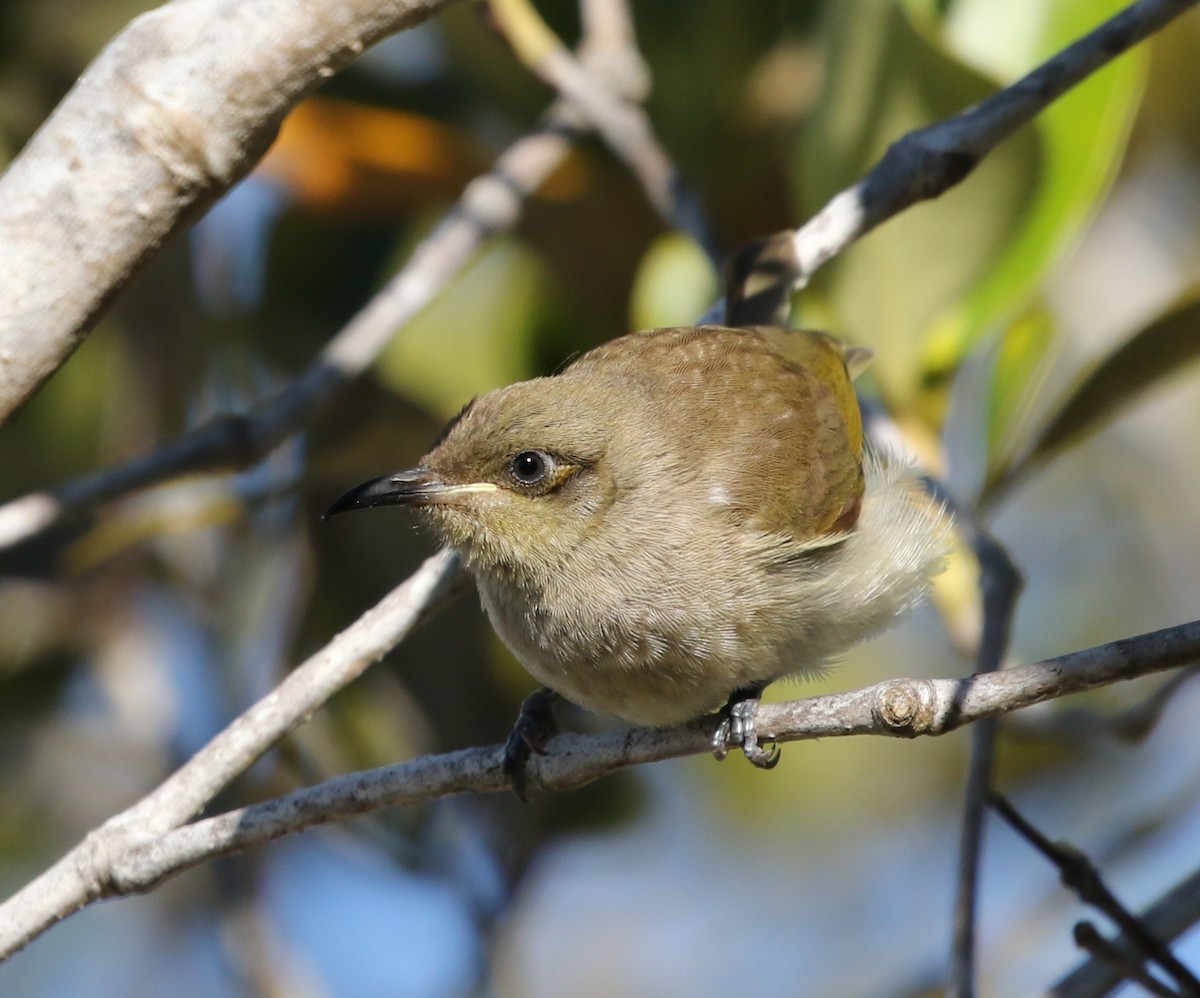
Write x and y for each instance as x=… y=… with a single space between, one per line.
x=415 y=487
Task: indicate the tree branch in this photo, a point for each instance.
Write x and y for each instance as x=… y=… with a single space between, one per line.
x=928 y=162
x=1001 y=585
x=125 y=856
x=83 y=875
x=178 y=107
x=1168 y=918
x=622 y=124
x=1080 y=875
x=490 y=204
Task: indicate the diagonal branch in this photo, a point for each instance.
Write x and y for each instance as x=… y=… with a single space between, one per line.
x=490 y=204
x=1079 y=874
x=928 y=162
x=82 y=875
x=178 y=107
x=1168 y=918
x=621 y=123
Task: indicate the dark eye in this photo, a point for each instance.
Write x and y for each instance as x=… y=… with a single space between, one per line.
x=530 y=466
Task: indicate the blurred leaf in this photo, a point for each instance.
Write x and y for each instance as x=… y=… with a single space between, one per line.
x=1082 y=135
x=886 y=77
x=356 y=161
x=1158 y=351
x=1017 y=373
x=674 y=284
x=478 y=334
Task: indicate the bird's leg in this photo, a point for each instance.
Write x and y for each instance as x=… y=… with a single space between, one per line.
x=533 y=728
x=737 y=727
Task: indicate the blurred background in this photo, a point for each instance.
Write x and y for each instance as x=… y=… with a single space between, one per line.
x=129 y=637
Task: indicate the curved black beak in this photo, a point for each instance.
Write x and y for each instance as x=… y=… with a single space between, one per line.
x=402 y=488
x=417 y=486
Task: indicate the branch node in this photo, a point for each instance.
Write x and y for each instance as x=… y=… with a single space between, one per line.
x=173 y=138
x=907 y=707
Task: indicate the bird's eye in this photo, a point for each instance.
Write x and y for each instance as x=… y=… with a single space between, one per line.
x=530 y=467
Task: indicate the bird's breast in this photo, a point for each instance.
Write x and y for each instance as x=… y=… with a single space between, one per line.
x=656 y=637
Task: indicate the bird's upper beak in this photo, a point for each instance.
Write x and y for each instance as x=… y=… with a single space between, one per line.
x=419 y=486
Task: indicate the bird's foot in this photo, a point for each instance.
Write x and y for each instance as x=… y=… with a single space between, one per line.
x=738 y=727
x=534 y=726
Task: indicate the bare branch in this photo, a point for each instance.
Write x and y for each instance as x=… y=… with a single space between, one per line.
x=928 y=162
x=490 y=204
x=1168 y=918
x=622 y=124
x=122 y=858
x=1133 y=724
x=608 y=27
x=83 y=874
x=1080 y=875
x=1125 y=965
x=1001 y=585
x=176 y=108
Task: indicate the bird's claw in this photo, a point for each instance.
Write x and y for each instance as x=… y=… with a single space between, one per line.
x=738 y=727
x=533 y=728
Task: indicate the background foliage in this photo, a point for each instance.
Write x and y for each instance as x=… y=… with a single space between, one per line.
x=1014 y=321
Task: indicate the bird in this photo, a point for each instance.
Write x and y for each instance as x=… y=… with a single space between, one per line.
x=675 y=520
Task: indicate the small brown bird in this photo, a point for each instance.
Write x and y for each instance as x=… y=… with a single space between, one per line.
x=677 y=519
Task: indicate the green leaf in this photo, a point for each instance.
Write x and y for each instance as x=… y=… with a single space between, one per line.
x=1083 y=136
x=1018 y=371
x=675 y=283
x=887 y=77
x=1160 y=350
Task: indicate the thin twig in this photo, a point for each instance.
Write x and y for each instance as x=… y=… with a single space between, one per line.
x=623 y=125
x=928 y=162
x=1124 y=965
x=1167 y=918
x=1079 y=874
x=1000 y=584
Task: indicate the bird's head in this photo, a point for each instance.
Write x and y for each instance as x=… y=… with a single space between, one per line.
x=519 y=478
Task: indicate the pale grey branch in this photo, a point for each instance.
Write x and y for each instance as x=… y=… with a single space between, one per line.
x=176 y=108
x=85 y=873
x=491 y=203
x=613 y=112
x=114 y=864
